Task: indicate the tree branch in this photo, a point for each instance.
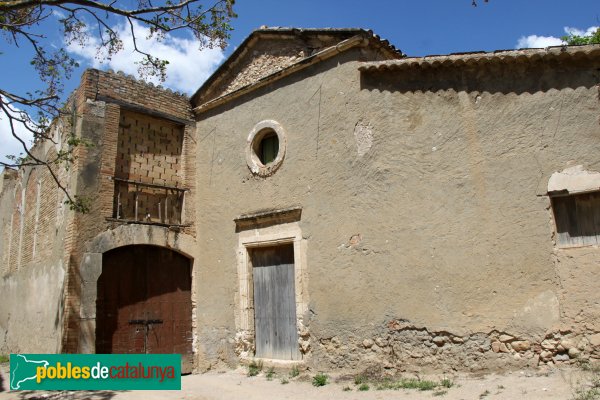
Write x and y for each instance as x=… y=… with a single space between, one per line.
x=18 y=19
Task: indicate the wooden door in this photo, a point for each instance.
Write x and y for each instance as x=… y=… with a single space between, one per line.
x=144 y=303
x=275 y=302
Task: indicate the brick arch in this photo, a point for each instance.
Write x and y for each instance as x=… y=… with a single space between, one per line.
x=91 y=268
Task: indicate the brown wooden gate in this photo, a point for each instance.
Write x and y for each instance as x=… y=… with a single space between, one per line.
x=275 y=302
x=144 y=303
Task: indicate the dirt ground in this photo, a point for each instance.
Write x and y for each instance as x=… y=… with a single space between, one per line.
x=556 y=383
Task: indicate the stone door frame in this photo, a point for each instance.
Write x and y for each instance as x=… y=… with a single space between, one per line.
x=91 y=268
x=264 y=236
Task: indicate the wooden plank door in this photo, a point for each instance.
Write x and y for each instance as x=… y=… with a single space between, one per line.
x=169 y=302
x=144 y=303
x=275 y=302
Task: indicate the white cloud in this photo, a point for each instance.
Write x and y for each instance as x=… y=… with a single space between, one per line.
x=535 y=41
x=578 y=32
x=188 y=66
x=8 y=144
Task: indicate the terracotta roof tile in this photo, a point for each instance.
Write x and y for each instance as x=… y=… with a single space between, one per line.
x=472 y=58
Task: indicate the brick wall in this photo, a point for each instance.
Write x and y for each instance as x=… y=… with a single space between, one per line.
x=100 y=85
x=149 y=149
x=31 y=194
x=46 y=222
x=15 y=226
x=140 y=128
x=8 y=178
x=189 y=177
x=139 y=132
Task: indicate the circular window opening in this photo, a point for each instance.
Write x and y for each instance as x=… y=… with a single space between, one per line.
x=266 y=147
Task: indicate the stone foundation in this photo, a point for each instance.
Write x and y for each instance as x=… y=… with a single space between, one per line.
x=404 y=347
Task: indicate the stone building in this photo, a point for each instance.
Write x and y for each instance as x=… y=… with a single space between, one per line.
x=324 y=200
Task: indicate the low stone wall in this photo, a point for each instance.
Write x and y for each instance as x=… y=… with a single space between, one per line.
x=404 y=347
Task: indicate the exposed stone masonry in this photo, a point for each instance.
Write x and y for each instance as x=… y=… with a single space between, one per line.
x=267 y=58
x=402 y=346
x=264 y=64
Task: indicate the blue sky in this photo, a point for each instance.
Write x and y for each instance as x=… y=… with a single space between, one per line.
x=421 y=27
x=416 y=27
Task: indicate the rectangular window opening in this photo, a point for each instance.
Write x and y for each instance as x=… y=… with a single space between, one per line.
x=577 y=219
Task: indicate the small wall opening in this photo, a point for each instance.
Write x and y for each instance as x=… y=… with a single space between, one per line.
x=577 y=219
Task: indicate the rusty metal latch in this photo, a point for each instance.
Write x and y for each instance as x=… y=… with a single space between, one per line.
x=145 y=321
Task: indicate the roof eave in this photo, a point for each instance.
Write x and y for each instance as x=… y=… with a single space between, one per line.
x=506 y=56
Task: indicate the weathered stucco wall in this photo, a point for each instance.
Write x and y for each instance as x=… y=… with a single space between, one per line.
x=7 y=187
x=31 y=256
x=31 y=309
x=424 y=209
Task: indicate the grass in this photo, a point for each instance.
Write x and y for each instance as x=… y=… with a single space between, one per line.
x=413 y=383
x=254 y=368
x=587 y=394
x=587 y=366
x=440 y=392
x=319 y=379
x=294 y=372
x=363 y=387
x=358 y=379
x=270 y=374
x=347 y=389
x=447 y=383
x=284 y=381
x=417 y=384
x=590 y=388
x=4 y=358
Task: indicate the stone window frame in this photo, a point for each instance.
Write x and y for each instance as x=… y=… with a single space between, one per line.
x=287 y=233
x=258 y=132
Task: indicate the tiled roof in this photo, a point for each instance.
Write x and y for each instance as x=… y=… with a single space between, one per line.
x=498 y=56
x=341 y=31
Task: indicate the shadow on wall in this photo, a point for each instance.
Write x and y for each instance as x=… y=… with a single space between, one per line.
x=498 y=77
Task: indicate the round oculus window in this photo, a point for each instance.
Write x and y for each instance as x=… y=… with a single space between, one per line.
x=265 y=148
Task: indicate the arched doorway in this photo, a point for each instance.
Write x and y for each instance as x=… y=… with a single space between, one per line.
x=144 y=303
